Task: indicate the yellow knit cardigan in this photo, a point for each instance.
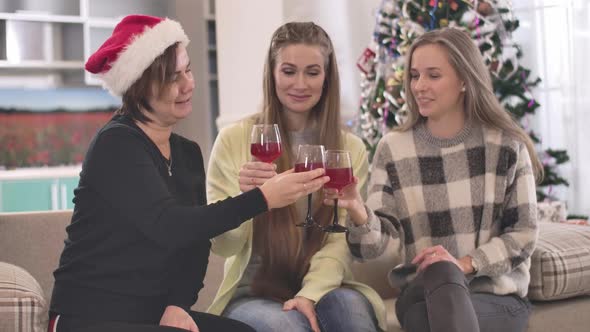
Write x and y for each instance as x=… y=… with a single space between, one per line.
x=329 y=267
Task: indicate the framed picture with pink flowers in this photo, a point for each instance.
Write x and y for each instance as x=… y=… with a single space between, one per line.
x=37 y=130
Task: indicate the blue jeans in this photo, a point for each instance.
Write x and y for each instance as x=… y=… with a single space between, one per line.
x=342 y=309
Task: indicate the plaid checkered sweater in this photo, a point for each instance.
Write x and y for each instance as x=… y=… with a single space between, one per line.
x=473 y=194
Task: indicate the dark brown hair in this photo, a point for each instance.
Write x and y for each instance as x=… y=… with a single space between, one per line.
x=155 y=78
x=286 y=250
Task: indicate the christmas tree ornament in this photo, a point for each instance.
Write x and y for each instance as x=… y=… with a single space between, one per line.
x=484 y=8
x=432 y=16
x=366 y=61
x=469 y=20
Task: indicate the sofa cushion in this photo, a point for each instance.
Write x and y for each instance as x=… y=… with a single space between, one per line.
x=22 y=306
x=392 y=322
x=374 y=272
x=560 y=266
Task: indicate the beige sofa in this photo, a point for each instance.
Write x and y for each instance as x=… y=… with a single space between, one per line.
x=34 y=242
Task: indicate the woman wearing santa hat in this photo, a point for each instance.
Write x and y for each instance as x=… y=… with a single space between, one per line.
x=138 y=244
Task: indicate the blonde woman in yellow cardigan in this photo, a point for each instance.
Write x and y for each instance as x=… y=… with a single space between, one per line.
x=279 y=277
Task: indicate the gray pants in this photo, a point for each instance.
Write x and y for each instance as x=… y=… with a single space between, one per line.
x=439 y=300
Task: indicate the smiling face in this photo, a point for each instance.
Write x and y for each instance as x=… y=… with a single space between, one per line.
x=174 y=101
x=299 y=75
x=435 y=84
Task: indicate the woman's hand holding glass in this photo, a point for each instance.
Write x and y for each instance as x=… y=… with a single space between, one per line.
x=350 y=199
x=254 y=174
x=287 y=187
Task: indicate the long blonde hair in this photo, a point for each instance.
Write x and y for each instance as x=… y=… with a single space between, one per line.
x=480 y=102
x=285 y=256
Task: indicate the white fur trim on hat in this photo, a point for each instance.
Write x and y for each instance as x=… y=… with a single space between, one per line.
x=140 y=54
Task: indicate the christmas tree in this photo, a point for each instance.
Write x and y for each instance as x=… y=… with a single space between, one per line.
x=490 y=23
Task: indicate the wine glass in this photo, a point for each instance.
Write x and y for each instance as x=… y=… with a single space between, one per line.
x=265 y=142
x=309 y=157
x=339 y=169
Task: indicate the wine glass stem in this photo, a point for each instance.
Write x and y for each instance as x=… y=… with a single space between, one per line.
x=308 y=218
x=335 y=222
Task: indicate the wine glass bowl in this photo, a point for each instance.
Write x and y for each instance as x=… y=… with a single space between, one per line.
x=309 y=157
x=339 y=169
x=339 y=178
x=265 y=142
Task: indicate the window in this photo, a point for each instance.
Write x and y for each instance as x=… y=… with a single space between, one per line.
x=555 y=39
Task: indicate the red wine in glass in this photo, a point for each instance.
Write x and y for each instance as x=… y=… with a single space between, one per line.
x=266 y=152
x=339 y=169
x=339 y=178
x=306 y=167
x=309 y=157
x=265 y=142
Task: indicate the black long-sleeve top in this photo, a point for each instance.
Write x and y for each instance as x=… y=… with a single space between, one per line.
x=139 y=238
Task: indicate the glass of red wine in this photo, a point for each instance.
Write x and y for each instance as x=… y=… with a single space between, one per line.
x=265 y=142
x=339 y=169
x=309 y=157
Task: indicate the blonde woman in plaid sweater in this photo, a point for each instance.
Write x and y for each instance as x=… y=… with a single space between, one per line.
x=454 y=190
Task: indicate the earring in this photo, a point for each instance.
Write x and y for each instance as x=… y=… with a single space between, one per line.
x=463 y=88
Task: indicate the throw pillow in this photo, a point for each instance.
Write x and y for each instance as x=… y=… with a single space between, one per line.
x=560 y=265
x=22 y=306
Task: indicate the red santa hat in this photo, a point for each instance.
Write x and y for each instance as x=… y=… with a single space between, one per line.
x=135 y=43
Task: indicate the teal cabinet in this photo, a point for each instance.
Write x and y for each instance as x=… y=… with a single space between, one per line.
x=37 y=194
x=27 y=195
x=66 y=187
